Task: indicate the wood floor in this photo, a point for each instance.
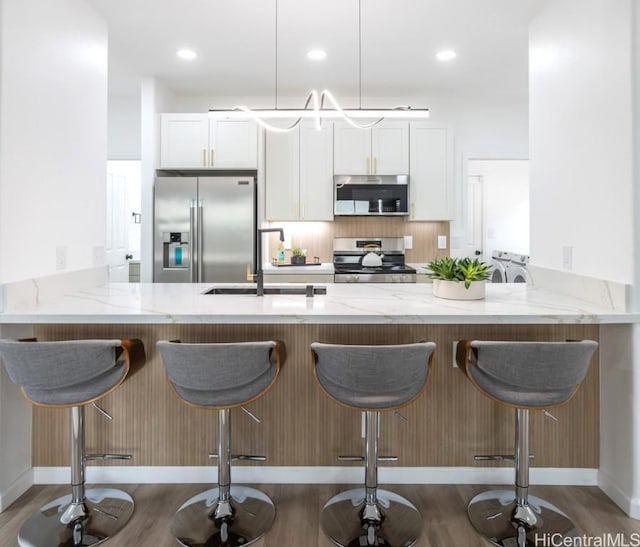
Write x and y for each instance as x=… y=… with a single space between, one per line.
x=443 y=509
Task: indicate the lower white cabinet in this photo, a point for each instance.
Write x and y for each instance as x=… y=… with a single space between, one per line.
x=430 y=172
x=299 y=174
x=297 y=278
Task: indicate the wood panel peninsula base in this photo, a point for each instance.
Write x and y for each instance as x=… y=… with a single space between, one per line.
x=301 y=427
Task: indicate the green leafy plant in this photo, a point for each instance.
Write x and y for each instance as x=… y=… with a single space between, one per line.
x=297 y=251
x=458 y=269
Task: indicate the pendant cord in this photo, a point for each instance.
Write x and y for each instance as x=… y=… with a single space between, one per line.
x=360 y=51
x=276 y=60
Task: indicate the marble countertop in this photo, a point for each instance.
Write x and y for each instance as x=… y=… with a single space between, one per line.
x=364 y=303
x=323 y=268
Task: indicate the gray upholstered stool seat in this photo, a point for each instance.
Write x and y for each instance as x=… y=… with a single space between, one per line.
x=371 y=379
x=221 y=377
x=523 y=375
x=72 y=374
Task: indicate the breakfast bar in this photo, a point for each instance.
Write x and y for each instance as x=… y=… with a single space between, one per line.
x=300 y=431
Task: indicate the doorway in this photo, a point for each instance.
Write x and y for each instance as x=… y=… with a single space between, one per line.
x=123 y=234
x=497 y=207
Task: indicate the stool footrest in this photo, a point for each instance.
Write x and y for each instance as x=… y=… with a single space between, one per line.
x=361 y=458
x=103 y=457
x=243 y=457
x=498 y=457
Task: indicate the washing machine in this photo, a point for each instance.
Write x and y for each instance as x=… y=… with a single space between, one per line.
x=500 y=265
x=517 y=272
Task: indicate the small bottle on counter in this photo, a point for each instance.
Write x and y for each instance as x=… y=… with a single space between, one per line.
x=281 y=253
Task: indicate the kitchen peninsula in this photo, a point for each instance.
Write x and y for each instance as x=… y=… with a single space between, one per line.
x=302 y=432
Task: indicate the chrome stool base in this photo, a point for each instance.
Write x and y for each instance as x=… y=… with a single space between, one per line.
x=492 y=515
x=108 y=511
x=194 y=526
x=341 y=520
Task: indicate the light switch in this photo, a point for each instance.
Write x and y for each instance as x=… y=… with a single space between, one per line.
x=61 y=258
x=442 y=242
x=567 y=257
x=408 y=242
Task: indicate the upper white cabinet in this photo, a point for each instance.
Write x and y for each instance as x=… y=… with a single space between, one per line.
x=430 y=172
x=193 y=141
x=380 y=150
x=299 y=174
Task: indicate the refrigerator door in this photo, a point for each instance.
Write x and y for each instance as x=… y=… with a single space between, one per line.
x=228 y=228
x=174 y=220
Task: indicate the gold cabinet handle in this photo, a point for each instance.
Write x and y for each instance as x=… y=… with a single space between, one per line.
x=204 y=157
x=375 y=166
x=368 y=172
x=212 y=157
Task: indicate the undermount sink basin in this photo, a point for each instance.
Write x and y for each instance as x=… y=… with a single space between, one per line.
x=309 y=290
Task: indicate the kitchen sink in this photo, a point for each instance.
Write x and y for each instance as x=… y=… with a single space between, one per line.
x=308 y=290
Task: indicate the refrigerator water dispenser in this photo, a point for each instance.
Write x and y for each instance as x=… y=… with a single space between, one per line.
x=176 y=249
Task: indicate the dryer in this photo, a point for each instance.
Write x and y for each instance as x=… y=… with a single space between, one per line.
x=500 y=265
x=517 y=272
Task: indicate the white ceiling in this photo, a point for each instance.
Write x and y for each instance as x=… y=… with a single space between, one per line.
x=236 y=43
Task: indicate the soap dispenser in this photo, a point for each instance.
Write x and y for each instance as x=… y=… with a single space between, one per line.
x=281 y=253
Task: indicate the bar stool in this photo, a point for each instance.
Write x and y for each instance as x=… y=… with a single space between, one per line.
x=525 y=376
x=223 y=376
x=371 y=379
x=71 y=374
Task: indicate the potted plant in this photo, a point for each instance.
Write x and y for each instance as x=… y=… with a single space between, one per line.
x=459 y=278
x=298 y=256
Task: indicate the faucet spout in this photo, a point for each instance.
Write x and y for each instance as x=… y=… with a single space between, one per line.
x=259 y=271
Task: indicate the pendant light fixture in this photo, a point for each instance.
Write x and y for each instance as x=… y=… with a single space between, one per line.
x=314 y=106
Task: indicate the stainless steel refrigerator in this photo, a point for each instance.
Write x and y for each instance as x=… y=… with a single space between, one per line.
x=204 y=229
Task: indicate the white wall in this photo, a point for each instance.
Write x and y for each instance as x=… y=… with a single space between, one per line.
x=53 y=130
x=123 y=127
x=580 y=137
x=155 y=99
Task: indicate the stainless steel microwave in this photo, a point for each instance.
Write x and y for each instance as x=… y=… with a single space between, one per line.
x=371 y=195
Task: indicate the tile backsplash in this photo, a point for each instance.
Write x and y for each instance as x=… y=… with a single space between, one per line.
x=317 y=237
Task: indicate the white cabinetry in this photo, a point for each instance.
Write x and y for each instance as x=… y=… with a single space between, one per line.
x=299 y=174
x=430 y=172
x=193 y=141
x=380 y=150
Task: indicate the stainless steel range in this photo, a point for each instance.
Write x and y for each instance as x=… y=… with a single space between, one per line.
x=371 y=260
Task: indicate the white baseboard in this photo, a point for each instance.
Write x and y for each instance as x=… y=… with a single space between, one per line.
x=19 y=487
x=631 y=506
x=317 y=475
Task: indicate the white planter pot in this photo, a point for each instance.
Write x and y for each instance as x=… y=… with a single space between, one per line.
x=455 y=290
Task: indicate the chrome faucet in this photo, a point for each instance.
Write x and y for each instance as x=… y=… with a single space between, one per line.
x=259 y=275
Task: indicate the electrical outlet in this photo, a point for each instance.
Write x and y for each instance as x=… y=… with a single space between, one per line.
x=567 y=257
x=442 y=242
x=98 y=256
x=61 y=258
x=408 y=242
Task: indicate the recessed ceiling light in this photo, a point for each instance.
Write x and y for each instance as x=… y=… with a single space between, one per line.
x=446 y=55
x=317 y=54
x=186 y=54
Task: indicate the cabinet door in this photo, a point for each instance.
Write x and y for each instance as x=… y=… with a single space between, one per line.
x=430 y=180
x=352 y=150
x=184 y=141
x=282 y=175
x=316 y=172
x=233 y=144
x=390 y=148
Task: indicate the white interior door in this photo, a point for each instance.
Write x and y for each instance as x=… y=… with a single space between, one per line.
x=474 y=245
x=117 y=224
